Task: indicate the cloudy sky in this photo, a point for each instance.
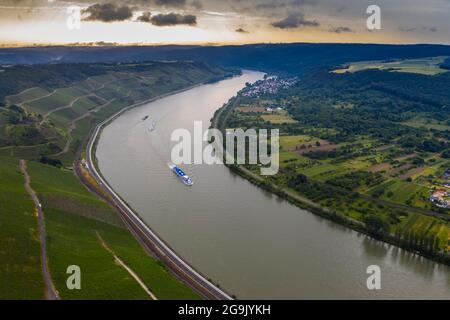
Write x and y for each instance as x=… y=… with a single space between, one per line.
x=26 y=22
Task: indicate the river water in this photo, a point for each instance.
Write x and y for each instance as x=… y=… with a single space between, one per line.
x=253 y=244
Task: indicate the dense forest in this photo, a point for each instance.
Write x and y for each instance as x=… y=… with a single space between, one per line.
x=375 y=103
x=446 y=64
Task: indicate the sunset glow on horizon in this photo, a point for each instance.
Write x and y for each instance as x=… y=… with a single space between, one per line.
x=214 y=22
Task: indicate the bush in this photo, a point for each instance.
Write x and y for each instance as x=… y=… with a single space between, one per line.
x=418 y=161
x=376 y=224
x=446 y=154
x=24 y=135
x=51 y=162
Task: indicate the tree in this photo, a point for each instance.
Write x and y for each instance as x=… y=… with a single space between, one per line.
x=50 y=161
x=298 y=179
x=376 y=224
x=418 y=161
x=446 y=154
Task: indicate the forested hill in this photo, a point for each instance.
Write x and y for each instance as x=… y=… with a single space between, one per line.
x=446 y=64
x=294 y=58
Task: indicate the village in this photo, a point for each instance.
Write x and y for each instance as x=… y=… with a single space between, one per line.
x=270 y=85
x=441 y=196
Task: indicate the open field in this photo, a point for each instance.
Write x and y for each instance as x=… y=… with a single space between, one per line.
x=400 y=191
x=20 y=264
x=429 y=123
x=423 y=226
x=73 y=217
x=290 y=142
x=23 y=152
x=30 y=94
x=425 y=66
x=394 y=188
x=278 y=117
x=248 y=109
x=60 y=98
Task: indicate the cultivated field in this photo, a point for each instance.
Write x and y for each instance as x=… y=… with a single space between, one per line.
x=425 y=66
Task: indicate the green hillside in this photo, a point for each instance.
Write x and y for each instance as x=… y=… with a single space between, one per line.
x=73 y=218
x=54 y=118
x=20 y=264
x=46 y=118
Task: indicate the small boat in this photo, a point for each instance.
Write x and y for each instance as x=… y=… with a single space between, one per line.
x=181 y=174
x=145 y=118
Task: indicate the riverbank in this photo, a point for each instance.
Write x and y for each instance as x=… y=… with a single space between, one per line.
x=219 y=122
x=142 y=232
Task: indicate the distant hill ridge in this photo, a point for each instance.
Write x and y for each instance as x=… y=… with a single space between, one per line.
x=292 y=58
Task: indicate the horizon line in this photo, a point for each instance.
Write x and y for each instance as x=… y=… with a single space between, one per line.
x=206 y=44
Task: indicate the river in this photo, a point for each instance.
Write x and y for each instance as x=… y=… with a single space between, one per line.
x=253 y=244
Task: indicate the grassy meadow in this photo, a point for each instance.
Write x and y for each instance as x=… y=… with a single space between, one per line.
x=20 y=262
x=73 y=218
x=425 y=66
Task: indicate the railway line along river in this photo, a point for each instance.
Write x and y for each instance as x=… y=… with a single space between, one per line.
x=253 y=244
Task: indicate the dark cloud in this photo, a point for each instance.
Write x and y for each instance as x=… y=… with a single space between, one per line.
x=304 y=2
x=170 y=3
x=173 y=19
x=341 y=29
x=341 y=9
x=145 y=17
x=108 y=12
x=430 y=29
x=295 y=21
x=241 y=30
x=281 y=4
x=270 y=6
x=407 y=29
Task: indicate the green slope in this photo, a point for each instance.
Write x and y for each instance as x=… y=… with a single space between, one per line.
x=73 y=218
x=20 y=264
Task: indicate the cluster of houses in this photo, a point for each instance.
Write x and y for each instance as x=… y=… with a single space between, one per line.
x=274 y=109
x=270 y=85
x=441 y=197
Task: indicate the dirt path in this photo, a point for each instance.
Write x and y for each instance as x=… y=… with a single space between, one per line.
x=23 y=147
x=69 y=106
x=36 y=99
x=73 y=126
x=50 y=291
x=127 y=268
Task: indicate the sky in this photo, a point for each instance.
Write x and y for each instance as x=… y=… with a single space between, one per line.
x=43 y=22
